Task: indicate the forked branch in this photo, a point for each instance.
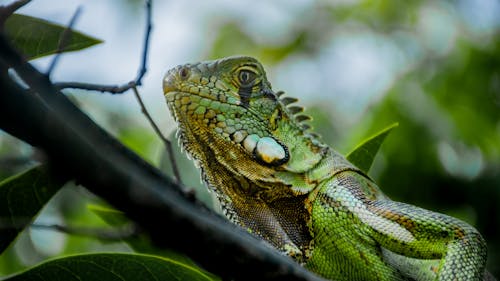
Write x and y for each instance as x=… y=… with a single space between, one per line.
x=119 y=89
x=78 y=148
x=137 y=81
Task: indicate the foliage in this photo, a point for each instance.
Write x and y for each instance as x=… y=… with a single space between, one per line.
x=112 y=266
x=37 y=38
x=445 y=153
x=363 y=155
x=21 y=198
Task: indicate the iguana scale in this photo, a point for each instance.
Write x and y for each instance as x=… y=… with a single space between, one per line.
x=283 y=184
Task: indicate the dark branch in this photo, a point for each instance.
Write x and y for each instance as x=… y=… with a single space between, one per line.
x=166 y=142
x=64 y=40
x=78 y=147
x=133 y=85
x=7 y=10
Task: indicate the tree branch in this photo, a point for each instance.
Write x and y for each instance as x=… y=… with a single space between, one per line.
x=119 y=89
x=115 y=234
x=116 y=89
x=112 y=89
x=64 y=40
x=145 y=48
x=166 y=142
x=7 y=10
x=79 y=148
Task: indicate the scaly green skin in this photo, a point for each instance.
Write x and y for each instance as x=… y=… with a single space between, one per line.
x=280 y=182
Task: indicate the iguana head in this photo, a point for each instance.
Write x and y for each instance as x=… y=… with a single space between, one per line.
x=230 y=118
x=253 y=148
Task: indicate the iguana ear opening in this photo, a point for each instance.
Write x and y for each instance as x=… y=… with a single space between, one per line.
x=265 y=150
x=270 y=152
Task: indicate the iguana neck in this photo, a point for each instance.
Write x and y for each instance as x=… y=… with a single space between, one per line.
x=311 y=160
x=269 y=202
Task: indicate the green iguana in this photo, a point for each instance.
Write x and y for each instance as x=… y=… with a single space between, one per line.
x=280 y=182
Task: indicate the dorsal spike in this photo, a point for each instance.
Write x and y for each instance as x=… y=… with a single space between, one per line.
x=306 y=126
x=295 y=109
x=314 y=135
x=288 y=100
x=302 y=118
x=279 y=93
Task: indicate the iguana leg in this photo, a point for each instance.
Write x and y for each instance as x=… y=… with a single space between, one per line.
x=344 y=248
x=403 y=229
x=460 y=247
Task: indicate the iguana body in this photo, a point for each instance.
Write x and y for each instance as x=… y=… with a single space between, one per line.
x=283 y=184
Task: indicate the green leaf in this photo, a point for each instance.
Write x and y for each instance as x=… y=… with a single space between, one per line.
x=363 y=155
x=111 y=216
x=142 y=244
x=37 y=38
x=21 y=197
x=139 y=244
x=111 y=266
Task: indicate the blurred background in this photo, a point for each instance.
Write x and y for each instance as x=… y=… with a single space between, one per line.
x=357 y=66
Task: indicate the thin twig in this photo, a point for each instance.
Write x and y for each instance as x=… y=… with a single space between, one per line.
x=113 y=89
x=7 y=10
x=64 y=40
x=166 y=142
x=115 y=234
x=8 y=162
x=119 y=89
x=78 y=148
x=145 y=50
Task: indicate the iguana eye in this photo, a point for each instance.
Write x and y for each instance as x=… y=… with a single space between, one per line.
x=246 y=77
x=184 y=73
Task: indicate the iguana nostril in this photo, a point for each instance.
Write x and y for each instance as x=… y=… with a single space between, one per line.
x=184 y=73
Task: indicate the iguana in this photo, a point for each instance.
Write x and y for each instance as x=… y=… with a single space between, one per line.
x=276 y=179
